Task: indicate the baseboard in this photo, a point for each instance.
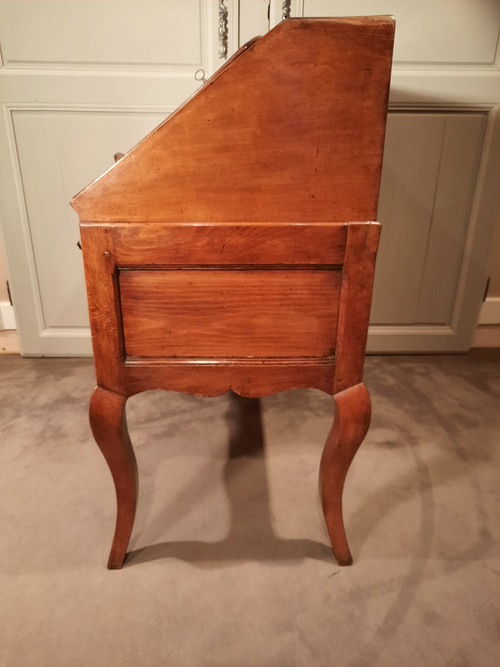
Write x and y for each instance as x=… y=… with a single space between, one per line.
x=7 y=317
x=490 y=311
x=487 y=336
x=488 y=330
x=9 y=342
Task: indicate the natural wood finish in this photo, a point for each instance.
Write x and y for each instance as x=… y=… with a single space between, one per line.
x=246 y=377
x=351 y=422
x=101 y=276
x=355 y=302
x=291 y=131
x=234 y=248
x=199 y=244
x=109 y=426
x=197 y=314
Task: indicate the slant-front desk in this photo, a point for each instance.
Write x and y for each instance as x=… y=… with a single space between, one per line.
x=234 y=247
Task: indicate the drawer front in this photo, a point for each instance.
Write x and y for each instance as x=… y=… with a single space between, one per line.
x=219 y=313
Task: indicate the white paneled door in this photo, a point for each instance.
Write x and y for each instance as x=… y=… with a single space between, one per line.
x=83 y=79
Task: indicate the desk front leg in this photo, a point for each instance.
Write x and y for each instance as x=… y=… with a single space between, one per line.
x=109 y=426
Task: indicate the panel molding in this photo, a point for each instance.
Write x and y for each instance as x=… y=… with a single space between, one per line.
x=484 y=216
x=419 y=305
x=84 y=108
x=23 y=279
x=64 y=342
x=167 y=68
x=204 y=59
x=35 y=336
x=451 y=214
x=413 y=339
x=208 y=48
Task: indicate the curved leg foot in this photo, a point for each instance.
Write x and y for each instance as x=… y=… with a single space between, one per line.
x=107 y=419
x=352 y=418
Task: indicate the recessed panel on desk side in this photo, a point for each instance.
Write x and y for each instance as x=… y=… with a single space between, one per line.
x=217 y=313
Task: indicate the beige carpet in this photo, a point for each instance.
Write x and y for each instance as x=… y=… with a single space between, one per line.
x=230 y=562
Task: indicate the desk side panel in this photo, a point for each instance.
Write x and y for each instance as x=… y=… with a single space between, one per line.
x=213 y=313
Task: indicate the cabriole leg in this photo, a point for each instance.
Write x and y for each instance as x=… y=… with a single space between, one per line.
x=352 y=418
x=107 y=419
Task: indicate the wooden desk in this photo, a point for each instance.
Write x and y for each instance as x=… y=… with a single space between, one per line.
x=234 y=247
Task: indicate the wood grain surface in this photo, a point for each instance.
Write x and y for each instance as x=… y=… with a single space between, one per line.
x=234 y=248
x=201 y=244
x=229 y=313
x=292 y=130
x=246 y=377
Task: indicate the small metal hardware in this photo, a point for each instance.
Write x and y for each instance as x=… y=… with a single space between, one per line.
x=199 y=75
x=223 y=30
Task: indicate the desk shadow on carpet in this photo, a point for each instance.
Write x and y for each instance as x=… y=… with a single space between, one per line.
x=251 y=535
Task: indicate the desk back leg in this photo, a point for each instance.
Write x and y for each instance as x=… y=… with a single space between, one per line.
x=107 y=419
x=352 y=418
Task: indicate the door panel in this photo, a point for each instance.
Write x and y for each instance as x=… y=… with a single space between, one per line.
x=462 y=146
x=428 y=180
x=99 y=35
x=409 y=177
x=59 y=153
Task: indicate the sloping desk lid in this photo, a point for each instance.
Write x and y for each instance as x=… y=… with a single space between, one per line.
x=291 y=130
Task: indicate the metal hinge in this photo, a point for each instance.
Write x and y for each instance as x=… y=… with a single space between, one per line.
x=8 y=292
